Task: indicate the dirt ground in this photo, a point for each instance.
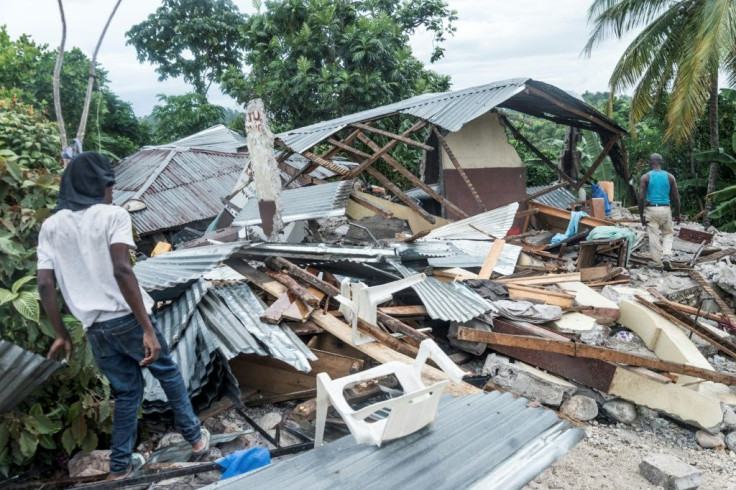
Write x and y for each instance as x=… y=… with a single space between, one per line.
x=609 y=459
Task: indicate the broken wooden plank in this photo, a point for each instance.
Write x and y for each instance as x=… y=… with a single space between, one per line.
x=725 y=309
x=275 y=312
x=279 y=263
x=385 y=149
x=683 y=308
x=260 y=399
x=411 y=310
x=459 y=168
x=414 y=179
x=304 y=328
x=542 y=280
x=295 y=288
x=403 y=139
x=379 y=210
x=597 y=274
x=716 y=255
x=325 y=163
x=577 y=349
x=491 y=259
x=535 y=295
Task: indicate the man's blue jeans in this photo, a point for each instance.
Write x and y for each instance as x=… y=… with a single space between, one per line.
x=117 y=346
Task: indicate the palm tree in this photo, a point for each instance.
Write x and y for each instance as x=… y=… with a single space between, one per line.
x=682 y=47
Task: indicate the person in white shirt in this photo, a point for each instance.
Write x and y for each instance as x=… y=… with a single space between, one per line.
x=85 y=248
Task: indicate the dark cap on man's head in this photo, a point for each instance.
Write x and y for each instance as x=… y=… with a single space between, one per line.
x=84 y=181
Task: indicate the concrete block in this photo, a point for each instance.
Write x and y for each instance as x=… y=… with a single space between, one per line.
x=729 y=419
x=580 y=407
x=492 y=364
x=679 y=402
x=667 y=471
x=666 y=339
x=533 y=383
x=621 y=411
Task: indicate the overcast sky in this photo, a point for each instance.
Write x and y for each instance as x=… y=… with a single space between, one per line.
x=495 y=40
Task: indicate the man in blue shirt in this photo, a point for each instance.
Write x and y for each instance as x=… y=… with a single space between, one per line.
x=657 y=191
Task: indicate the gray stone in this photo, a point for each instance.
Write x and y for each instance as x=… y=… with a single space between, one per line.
x=596 y=336
x=667 y=471
x=621 y=411
x=238 y=444
x=580 y=407
x=533 y=384
x=646 y=412
x=95 y=463
x=731 y=441
x=269 y=420
x=705 y=348
x=709 y=441
x=729 y=419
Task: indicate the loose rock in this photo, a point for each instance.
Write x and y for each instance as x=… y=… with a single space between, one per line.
x=580 y=407
x=709 y=441
x=729 y=419
x=621 y=411
x=731 y=441
x=94 y=463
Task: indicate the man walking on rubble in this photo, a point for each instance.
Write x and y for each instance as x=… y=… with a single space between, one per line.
x=657 y=190
x=85 y=246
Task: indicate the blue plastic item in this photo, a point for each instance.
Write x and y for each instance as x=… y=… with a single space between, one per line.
x=244 y=461
x=596 y=191
x=572 y=227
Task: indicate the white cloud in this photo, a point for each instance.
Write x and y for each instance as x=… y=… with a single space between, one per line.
x=495 y=39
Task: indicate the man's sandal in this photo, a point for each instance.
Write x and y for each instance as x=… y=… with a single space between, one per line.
x=198 y=455
x=136 y=463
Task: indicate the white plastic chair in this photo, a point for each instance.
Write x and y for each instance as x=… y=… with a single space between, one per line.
x=414 y=410
x=360 y=301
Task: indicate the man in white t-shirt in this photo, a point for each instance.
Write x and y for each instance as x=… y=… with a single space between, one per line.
x=85 y=248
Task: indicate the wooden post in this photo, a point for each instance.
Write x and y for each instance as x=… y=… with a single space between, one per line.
x=265 y=169
x=598 y=161
x=520 y=137
x=459 y=168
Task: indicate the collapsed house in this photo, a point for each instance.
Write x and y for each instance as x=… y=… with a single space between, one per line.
x=544 y=315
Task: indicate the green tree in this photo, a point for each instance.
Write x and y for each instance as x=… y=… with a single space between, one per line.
x=193 y=39
x=319 y=59
x=683 y=45
x=179 y=116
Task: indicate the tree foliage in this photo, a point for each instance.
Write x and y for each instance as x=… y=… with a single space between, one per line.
x=321 y=59
x=193 y=39
x=178 y=116
x=73 y=409
x=681 y=48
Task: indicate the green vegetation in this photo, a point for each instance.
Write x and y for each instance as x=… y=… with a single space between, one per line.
x=73 y=409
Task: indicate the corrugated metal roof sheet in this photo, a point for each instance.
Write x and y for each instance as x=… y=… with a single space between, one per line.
x=21 y=372
x=449 y=110
x=473 y=253
x=452 y=110
x=488 y=441
x=163 y=275
x=449 y=301
x=312 y=202
x=178 y=185
x=206 y=327
x=216 y=138
x=496 y=222
x=558 y=198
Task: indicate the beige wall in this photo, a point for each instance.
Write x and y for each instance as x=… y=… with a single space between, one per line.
x=482 y=143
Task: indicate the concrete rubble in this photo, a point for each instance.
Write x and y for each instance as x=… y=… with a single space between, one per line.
x=669 y=472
